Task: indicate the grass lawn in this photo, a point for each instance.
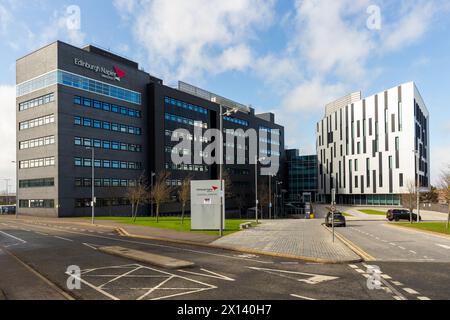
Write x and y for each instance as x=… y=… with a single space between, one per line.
x=373 y=212
x=174 y=223
x=429 y=226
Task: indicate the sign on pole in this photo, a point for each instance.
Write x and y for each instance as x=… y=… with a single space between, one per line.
x=205 y=205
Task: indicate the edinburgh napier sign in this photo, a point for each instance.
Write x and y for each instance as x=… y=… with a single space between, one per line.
x=114 y=75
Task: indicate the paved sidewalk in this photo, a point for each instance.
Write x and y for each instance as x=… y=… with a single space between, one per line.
x=302 y=238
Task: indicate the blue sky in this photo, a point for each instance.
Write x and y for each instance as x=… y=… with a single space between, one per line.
x=289 y=57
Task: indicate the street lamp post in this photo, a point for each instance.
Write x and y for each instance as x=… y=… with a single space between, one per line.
x=152 y=174
x=256 y=184
x=17 y=193
x=417 y=158
x=92 y=184
x=222 y=193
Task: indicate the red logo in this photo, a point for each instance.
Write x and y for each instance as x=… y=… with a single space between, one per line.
x=119 y=73
x=215 y=188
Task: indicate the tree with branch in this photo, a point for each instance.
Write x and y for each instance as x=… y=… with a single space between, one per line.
x=263 y=195
x=184 y=195
x=161 y=191
x=137 y=195
x=445 y=187
x=409 y=199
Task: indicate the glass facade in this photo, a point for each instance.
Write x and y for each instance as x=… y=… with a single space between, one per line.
x=302 y=175
x=104 y=106
x=79 y=82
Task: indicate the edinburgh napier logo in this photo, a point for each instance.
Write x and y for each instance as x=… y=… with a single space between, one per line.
x=117 y=74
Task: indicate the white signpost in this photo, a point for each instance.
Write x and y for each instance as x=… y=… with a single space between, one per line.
x=205 y=205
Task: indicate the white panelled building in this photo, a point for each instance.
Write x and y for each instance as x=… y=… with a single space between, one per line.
x=369 y=149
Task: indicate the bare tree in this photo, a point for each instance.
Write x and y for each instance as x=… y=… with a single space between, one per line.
x=409 y=199
x=240 y=201
x=445 y=187
x=263 y=195
x=137 y=195
x=161 y=191
x=228 y=185
x=184 y=195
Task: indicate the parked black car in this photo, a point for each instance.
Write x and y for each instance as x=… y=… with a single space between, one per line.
x=339 y=220
x=401 y=214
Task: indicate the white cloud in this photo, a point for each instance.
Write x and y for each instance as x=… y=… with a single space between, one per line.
x=186 y=39
x=8 y=133
x=5 y=18
x=412 y=26
x=312 y=96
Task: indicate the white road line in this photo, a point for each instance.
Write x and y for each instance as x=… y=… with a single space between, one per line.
x=403 y=248
x=353 y=266
x=209 y=274
x=392 y=244
x=42 y=233
x=443 y=246
x=397 y=298
x=413 y=252
x=385 y=276
x=397 y=283
x=423 y=298
x=360 y=271
x=13 y=237
x=301 y=297
x=63 y=238
x=90 y=246
x=165 y=246
x=410 y=291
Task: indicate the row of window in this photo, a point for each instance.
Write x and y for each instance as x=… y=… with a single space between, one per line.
x=38 y=122
x=107 y=164
x=78 y=82
x=42 y=203
x=184 y=105
x=236 y=121
x=184 y=136
x=38 y=142
x=37 y=102
x=106 y=144
x=183 y=120
x=99 y=105
x=104 y=182
x=37 y=183
x=37 y=163
x=105 y=125
x=102 y=202
x=186 y=167
x=270 y=130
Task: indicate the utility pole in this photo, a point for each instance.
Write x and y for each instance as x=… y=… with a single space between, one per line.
x=270 y=197
x=417 y=156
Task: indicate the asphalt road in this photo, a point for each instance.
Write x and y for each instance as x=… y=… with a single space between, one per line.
x=218 y=274
x=385 y=242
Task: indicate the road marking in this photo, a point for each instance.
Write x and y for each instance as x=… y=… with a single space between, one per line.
x=403 y=248
x=413 y=252
x=302 y=297
x=392 y=244
x=410 y=291
x=162 y=246
x=360 y=271
x=13 y=237
x=385 y=276
x=210 y=275
x=423 y=298
x=90 y=246
x=63 y=238
x=353 y=266
x=42 y=233
x=443 y=246
x=397 y=298
x=289 y=263
x=397 y=283
x=313 y=278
